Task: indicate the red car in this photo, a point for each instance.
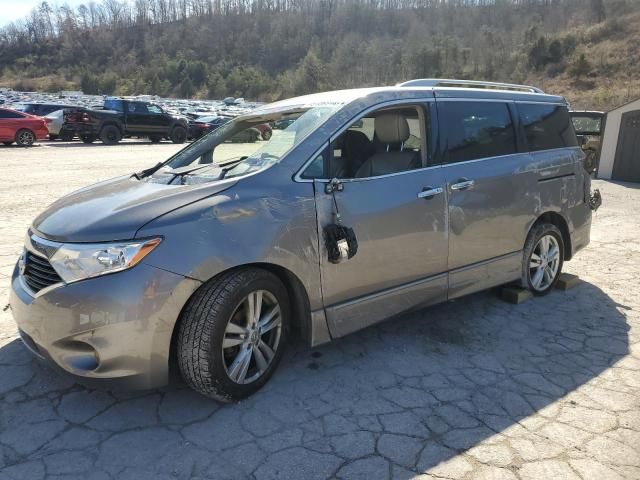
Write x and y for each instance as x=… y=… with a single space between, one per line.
x=22 y=128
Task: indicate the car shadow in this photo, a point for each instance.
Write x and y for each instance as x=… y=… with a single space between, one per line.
x=415 y=391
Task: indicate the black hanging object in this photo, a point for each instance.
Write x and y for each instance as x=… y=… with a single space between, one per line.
x=340 y=241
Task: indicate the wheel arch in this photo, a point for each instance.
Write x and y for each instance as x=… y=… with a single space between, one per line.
x=298 y=300
x=113 y=123
x=559 y=221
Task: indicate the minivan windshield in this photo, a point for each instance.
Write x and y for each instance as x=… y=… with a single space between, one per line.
x=248 y=143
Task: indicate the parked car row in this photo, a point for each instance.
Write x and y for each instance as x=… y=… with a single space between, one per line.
x=119 y=118
x=151 y=117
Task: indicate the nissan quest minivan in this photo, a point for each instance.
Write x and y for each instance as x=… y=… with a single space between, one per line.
x=370 y=203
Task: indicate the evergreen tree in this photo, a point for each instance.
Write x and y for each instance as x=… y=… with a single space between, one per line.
x=186 y=87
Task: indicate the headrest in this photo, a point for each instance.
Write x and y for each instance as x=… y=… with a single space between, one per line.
x=391 y=128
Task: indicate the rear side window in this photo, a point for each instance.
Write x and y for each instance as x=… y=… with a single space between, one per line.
x=47 y=109
x=27 y=108
x=116 y=105
x=476 y=130
x=137 y=107
x=586 y=124
x=547 y=126
x=9 y=114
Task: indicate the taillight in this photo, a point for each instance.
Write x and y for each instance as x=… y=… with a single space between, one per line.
x=77 y=117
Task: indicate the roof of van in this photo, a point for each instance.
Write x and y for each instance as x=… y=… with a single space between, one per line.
x=375 y=95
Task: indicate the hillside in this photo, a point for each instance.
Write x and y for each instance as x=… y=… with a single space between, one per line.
x=268 y=49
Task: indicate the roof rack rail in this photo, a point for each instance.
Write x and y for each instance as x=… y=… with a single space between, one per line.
x=445 y=82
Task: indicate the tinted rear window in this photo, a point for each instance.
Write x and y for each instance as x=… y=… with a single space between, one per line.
x=477 y=130
x=10 y=114
x=547 y=126
x=111 y=104
x=586 y=124
x=26 y=108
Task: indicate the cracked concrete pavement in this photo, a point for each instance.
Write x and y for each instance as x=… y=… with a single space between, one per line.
x=472 y=389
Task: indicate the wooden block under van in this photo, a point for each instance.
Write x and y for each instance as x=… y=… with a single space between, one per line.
x=567 y=281
x=515 y=295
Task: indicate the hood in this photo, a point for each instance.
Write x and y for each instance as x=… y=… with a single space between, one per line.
x=117 y=208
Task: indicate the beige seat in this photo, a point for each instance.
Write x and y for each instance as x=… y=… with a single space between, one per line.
x=392 y=130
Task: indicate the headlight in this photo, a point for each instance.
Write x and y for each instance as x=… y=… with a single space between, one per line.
x=78 y=261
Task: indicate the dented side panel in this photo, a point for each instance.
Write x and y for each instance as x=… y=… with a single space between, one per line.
x=259 y=220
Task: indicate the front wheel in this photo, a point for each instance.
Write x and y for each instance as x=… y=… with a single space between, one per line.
x=232 y=334
x=25 y=138
x=542 y=259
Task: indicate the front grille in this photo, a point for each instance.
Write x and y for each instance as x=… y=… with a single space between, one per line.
x=38 y=272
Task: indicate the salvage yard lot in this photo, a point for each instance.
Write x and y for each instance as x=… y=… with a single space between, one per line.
x=473 y=389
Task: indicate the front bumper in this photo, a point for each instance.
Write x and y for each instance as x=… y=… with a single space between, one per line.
x=112 y=332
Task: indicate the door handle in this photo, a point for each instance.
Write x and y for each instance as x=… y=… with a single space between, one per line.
x=429 y=192
x=463 y=184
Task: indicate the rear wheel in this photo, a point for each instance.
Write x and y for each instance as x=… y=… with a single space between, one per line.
x=178 y=134
x=88 y=138
x=232 y=334
x=110 y=135
x=66 y=136
x=266 y=135
x=25 y=138
x=543 y=259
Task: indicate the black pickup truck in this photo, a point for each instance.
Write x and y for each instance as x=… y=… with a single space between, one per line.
x=123 y=118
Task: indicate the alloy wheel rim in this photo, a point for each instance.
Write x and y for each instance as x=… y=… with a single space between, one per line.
x=26 y=138
x=252 y=337
x=544 y=262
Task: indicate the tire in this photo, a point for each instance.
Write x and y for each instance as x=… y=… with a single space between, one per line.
x=110 y=135
x=25 y=138
x=266 y=135
x=216 y=313
x=540 y=270
x=66 y=136
x=8 y=144
x=155 y=138
x=53 y=137
x=590 y=161
x=88 y=138
x=178 y=134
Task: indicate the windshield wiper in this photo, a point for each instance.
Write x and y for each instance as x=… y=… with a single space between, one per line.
x=230 y=165
x=146 y=172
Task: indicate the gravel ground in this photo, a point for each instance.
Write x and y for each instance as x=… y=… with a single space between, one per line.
x=472 y=389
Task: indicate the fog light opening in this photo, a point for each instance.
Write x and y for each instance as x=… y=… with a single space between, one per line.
x=84 y=357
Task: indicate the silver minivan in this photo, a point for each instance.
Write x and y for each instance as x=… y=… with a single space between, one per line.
x=364 y=204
